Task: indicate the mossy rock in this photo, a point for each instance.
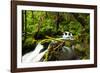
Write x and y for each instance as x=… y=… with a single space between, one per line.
x=28 y=45
x=54 y=50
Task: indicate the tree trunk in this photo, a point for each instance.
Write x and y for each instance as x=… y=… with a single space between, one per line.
x=23 y=21
x=39 y=24
x=32 y=17
x=37 y=36
x=57 y=21
x=25 y=24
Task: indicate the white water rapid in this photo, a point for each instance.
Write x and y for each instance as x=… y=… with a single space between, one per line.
x=34 y=56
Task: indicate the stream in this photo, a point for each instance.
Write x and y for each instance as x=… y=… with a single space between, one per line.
x=34 y=56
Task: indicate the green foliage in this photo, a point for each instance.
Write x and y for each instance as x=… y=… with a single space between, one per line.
x=39 y=24
x=28 y=45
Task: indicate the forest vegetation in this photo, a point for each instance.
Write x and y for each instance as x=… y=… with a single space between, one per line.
x=45 y=26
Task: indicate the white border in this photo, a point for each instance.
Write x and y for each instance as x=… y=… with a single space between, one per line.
x=55 y=63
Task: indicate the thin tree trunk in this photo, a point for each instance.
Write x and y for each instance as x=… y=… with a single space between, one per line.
x=57 y=21
x=39 y=24
x=32 y=17
x=46 y=14
x=25 y=24
x=38 y=28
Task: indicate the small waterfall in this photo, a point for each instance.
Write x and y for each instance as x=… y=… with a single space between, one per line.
x=34 y=56
x=65 y=53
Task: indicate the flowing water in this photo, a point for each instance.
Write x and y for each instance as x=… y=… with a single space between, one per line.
x=35 y=55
